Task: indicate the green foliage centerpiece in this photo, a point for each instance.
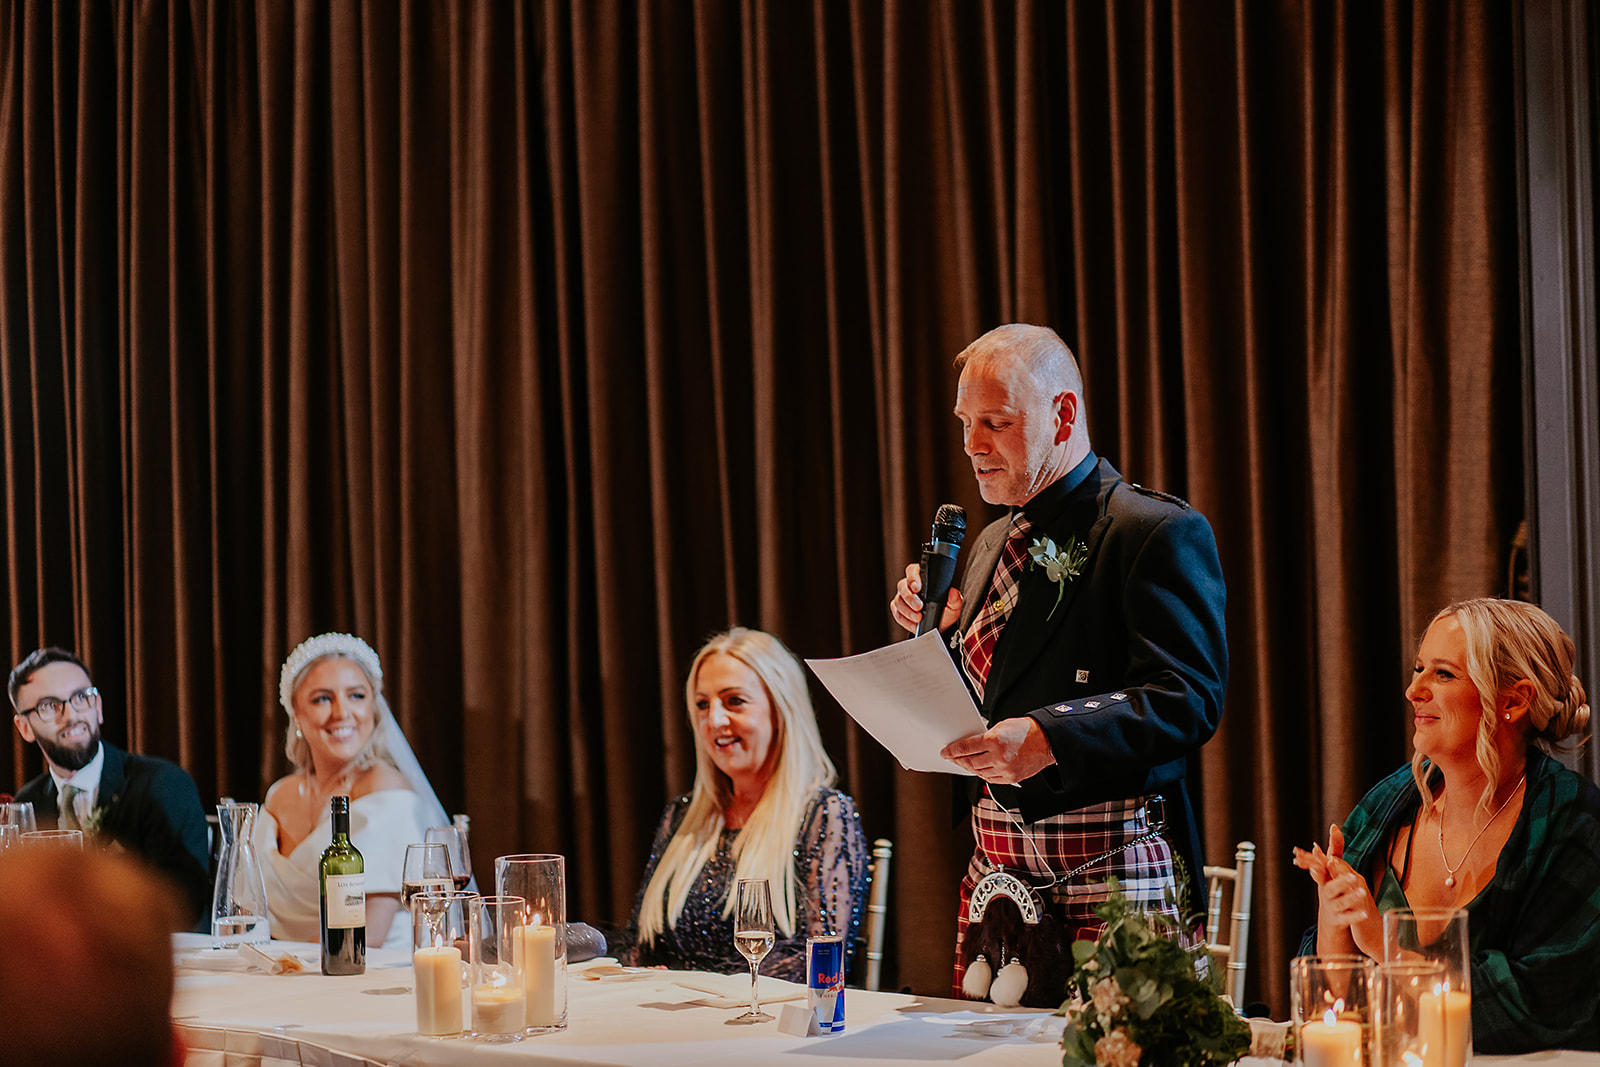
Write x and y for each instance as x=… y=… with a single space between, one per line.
x=1142 y=998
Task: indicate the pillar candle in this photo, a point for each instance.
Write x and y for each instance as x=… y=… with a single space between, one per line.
x=1446 y=1027
x=1330 y=1044
x=497 y=1009
x=438 y=980
x=536 y=958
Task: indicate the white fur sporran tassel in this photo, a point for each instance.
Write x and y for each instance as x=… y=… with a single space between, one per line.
x=975 y=983
x=1008 y=986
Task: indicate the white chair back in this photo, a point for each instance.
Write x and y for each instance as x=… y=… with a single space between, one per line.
x=1236 y=951
x=877 y=911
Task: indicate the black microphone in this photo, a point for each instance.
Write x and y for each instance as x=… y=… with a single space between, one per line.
x=939 y=563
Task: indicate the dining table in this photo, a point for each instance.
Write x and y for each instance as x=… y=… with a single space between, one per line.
x=230 y=1014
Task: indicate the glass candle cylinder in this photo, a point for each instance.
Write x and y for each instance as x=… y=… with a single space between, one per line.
x=540 y=880
x=438 y=936
x=498 y=989
x=1438 y=935
x=1330 y=997
x=1407 y=1015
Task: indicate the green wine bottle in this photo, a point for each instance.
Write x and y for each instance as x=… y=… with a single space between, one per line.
x=344 y=899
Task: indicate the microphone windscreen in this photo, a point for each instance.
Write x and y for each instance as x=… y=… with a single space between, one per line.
x=950 y=523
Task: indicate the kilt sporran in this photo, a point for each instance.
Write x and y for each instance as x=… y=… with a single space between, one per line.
x=1065 y=860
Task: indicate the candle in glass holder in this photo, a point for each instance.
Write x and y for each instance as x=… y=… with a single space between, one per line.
x=438 y=981
x=536 y=959
x=498 y=1009
x=1446 y=1017
x=1333 y=1042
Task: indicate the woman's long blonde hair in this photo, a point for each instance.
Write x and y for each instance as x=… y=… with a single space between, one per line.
x=765 y=846
x=1509 y=641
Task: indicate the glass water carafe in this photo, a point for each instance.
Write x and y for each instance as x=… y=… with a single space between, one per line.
x=239 y=901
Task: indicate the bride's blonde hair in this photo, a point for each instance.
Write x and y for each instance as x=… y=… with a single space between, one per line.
x=765 y=846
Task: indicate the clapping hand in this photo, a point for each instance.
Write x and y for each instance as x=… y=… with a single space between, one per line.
x=1347 y=916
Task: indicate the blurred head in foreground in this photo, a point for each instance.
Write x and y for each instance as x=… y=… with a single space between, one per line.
x=86 y=961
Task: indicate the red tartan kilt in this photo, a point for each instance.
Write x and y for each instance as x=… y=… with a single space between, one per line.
x=1062 y=843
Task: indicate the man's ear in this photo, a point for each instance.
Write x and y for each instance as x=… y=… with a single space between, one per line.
x=1066 y=416
x=24 y=727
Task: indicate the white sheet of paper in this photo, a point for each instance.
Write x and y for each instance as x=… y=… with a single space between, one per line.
x=908 y=696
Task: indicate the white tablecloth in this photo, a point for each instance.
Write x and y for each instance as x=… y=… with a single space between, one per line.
x=236 y=1018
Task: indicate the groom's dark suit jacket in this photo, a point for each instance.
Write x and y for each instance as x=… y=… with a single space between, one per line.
x=1126 y=674
x=152 y=809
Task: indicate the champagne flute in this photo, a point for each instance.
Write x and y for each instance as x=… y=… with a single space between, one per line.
x=753 y=934
x=454 y=840
x=426 y=872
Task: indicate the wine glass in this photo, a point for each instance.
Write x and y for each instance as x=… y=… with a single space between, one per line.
x=454 y=839
x=426 y=872
x=753 y=935
x=19 y=813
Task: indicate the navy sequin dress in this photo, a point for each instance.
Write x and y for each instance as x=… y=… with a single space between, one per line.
x=830 y=858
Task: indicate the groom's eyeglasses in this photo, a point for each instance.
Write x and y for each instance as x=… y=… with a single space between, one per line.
x=49 y=709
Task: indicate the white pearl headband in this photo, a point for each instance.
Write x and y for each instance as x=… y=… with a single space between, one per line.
x=347 y=646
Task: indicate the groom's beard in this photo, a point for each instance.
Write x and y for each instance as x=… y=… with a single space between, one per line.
x=73 y=757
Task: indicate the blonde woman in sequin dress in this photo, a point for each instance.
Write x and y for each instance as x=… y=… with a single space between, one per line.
x=763 y=806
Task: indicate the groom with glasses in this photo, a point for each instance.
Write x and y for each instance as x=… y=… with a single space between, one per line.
x=142 y=804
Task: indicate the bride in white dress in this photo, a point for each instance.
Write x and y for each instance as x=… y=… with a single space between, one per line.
x=342 y=740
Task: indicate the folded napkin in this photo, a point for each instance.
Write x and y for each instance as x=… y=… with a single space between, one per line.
x=1041 y=1028
x=261 y=961
x=606 y=969
x=736 y=987
x=247 y=958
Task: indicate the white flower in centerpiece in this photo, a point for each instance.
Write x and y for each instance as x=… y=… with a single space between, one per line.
x=1116 y=1049
x=1109 y=997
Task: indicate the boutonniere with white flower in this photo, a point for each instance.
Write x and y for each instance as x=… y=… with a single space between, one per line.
x=1061 y=565
x=92 y=823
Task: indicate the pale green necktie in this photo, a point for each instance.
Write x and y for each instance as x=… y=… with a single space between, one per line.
x=69 y=809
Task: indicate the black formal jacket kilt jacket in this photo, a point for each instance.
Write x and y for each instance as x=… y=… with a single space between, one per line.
x=152 y=809
x=1141 y=626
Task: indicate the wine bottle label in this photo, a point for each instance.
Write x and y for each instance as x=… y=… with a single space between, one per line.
x=347 y=901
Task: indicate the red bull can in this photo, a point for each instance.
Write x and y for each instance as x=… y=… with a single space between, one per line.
x=825 y=981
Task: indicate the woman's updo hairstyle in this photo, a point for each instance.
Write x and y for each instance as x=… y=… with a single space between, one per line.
x=1509 y=641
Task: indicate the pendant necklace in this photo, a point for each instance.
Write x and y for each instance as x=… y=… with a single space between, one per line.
x=1449 y=871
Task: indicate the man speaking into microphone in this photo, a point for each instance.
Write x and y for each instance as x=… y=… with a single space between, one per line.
x=1089 y=626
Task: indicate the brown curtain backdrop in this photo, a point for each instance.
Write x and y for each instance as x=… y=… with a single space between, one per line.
x=536 y=341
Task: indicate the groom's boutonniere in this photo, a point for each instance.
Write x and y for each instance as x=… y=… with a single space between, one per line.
x=1061 y=565
x=93 y=823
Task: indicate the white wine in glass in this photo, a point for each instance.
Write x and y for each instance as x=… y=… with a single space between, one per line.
x=753 y=935
x=426 y=871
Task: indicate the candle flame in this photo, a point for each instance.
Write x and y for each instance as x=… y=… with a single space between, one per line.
x=1330 y=1016
x=1412 y=1059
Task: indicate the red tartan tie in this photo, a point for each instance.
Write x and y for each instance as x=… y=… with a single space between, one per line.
x=977 y=647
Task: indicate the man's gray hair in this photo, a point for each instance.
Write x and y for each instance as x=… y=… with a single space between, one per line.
x=1039 y=348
